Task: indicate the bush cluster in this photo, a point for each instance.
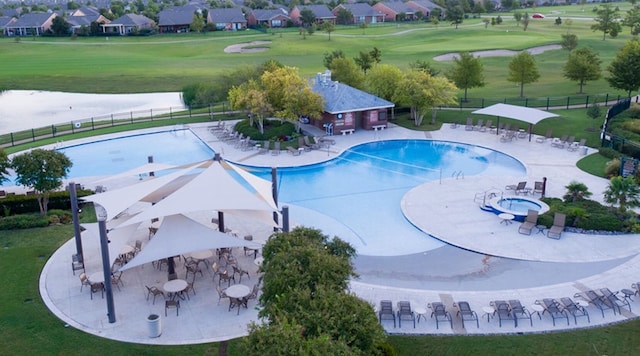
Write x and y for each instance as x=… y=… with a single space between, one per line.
x=26 y=204
x=273 y=129
x=24 y=221
x=589 y=215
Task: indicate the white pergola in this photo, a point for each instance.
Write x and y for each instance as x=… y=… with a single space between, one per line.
x=521 y=113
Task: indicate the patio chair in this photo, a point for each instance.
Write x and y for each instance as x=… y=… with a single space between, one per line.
x=440 y=312
x=569 y=141
x=497 y=129
x=554 y=310
x=596 y=300
x=293 y=151
x=116 y=279
x=156 y=292
x=235 y=303
x=225 y=276
x=537 y=188
x=466 y=314
x=478 y=126
x=405 y=313
x=558 y=226
x=137 y=248
x=190 y=288
x=264 y=148
x=84 y=281
x=503 y=311
x=529 y=222
x=172 y=304
x=313 y=145
x=253 y=294
x=576 y=145
x=303 y=144
x=386 y=312
x=636 y=286
x=97 y=287
x=574 y=309
x=507 y=136
x=221 y=294
x=239 y=271
x=76 y=264
x=469 y=125
x=543 y=139
x=192 y=268
x=560 y=142
x=614 y=300
x=519 y=312
x=521 y=188
x=276 y=148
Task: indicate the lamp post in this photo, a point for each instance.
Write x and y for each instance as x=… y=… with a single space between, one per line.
x=76 y=221
x=101 y=214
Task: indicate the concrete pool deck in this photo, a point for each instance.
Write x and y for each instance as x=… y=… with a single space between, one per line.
x=460 y=222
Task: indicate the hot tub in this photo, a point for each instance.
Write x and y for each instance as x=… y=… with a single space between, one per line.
x=518 y=206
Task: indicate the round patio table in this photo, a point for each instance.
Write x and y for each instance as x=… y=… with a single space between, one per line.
x=506 y=218
x=238 y=291
x=174 y=287
x=97 y=277
x=202 y=255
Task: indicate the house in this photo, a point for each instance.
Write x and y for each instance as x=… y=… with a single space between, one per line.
x=127 y=24
x=85 y=11
x=396 y=11
x=228 y=19
x=178 y=19
x=269 y=18
x=424 y=6
x=85 y=21
x=32 y=24
x=347 y=108
x=4 y=22
x=321 y=12
x=361 y=12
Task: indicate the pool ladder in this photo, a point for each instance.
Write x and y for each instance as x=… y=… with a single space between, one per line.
x=483 y=197
x=457 y=175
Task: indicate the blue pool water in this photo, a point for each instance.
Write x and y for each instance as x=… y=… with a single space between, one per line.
x=520 y=205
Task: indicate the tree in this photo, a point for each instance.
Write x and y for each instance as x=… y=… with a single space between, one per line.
x=526 y=20
x=523 y=70
x=290 y=95
x=43 y=171
x=607 y=21
x=594 y=112
x=344 y=16
x=363 y=26
x=307 y=17
x=632 y=20
x=5 y=164
x=576 y=191
x=425 y=67
x=364 y=61
x=499 y=20
x=345 y=70
x=455 y=14
x=250 y=97
x=383 y=81
x=624 y=192
x=517 y=15
x=421 y=92
x=197 y=25
x=376 y=55
x=59 y=26
x=623 y=68
x=467 y=72
x=328 y=27
x=558 y=21
x=581 y=66
x=329 y=57
x=569 y=41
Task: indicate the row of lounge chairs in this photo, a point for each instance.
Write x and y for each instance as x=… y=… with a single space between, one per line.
x=531 y=221
x=521 y=188
x=479 y=126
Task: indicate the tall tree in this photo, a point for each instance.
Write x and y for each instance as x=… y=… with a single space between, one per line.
x=569 y=41
x=197 y=24
x=345 y=70
x=344 y=16
x=328 y=27
x=376 y=55
x=5 y=164
x=517 y=15
x=523 y=70
x=60 y=26
x=307 y=17
x=364 y=61
x=624 y=192
x=455 y=14
x=43 y=171
x=329 y=57
x=251 y=98
x=526 y=20
x=583 y=65
x=467 y=72
x=383 y=80
x=422 y=92
x=632 y=20
x=594 y=112
x=607 y=21
x=290 y=95
x=623 y=68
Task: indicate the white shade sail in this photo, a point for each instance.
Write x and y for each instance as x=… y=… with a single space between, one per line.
x=521 y=113
x=91 y=250
x=179 y=234
x=144 y=169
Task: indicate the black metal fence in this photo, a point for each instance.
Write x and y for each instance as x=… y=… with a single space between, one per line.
x=565 y=102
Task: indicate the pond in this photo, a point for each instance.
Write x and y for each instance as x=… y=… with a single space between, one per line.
x=27 y=109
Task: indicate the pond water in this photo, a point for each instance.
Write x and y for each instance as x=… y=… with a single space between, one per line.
x=27 y=109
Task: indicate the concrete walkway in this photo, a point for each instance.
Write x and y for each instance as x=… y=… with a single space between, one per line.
x=574 y=263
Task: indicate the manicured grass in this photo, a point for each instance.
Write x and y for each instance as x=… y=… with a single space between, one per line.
x=594 y=164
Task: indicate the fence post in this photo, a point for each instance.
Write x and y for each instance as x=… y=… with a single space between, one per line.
x=12 y=141
x=586 y=105
x=526 y=102
x=548 y=103
x=189 y=111
x=170 y=113
x=151 y=114
x=93 y=124
x=606 y=100
x=53 y=130
x=33 y=135
x=111 y=120
x=568 y=99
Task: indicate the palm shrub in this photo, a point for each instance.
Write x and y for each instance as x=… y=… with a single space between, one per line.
x=624 y=192
x=576 y=191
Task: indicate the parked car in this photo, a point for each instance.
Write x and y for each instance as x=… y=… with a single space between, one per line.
x=537 y=16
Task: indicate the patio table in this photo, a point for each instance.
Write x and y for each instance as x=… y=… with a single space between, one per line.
x=238 y=291
x=175 y=287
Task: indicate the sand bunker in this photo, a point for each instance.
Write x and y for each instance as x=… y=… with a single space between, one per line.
x=498 y=53
x=242 y=47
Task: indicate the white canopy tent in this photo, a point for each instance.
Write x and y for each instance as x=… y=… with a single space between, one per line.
x=179 y=234
x=144 y=169
x=92 y=251
x=529 y=115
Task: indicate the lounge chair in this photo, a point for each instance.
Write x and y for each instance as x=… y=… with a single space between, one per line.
x=537 y=188
x=507 y=136
x=543 y=139
x=276 y=148
x=264 y=148
x=554 y=310
x=486 y=126
x=558 y=226
x=440 y=312
x=386 y=312
x=614 y=300
x=478 y=126
x=569 y=141
x=519 y=312
x=465 y=313
x=503 y=311
x=576 y=145
x=293 y=151
x=521 y=188
x=405 y=313
x=596 y=300
x=326 y=140
x=529 y=222
x=497 y=129
x=559 y=142
x=313 y=145
x=302 y=144
x=469 y=126
x=574 y=309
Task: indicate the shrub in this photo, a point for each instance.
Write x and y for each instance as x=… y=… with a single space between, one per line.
x=601 y=222
x=273 y=129
x=609 y=152
x=612 y=168
x=545 y=219
x=26 y=221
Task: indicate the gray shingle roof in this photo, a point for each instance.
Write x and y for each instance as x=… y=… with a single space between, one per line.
x=340 y=97
x=266 y=15
x=182 y=15
x=4 y=21
x=82 y=20
x=362 y=9
x=229 y=15
x=398 y=7
x=31 y=20
x=321 y=11
x=132 y=20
